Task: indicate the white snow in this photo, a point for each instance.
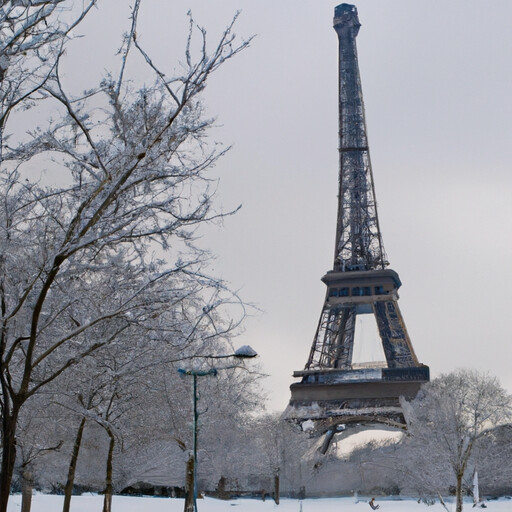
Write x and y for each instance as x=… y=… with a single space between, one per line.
x=352 y=440
x=91 y=503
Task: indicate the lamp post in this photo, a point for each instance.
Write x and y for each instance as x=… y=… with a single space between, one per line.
x=245 y=352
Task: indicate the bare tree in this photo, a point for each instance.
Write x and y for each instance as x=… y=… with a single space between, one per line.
x=135 y=174
x=447 y=421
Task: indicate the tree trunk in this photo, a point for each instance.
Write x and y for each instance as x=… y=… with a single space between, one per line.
x=68 y=489
x=276 y=488
x=27 y=483
x=458 y=493
x=441 y=500
x=107 y=500
x=9 y=420
x=189 y=485
x=221 y=490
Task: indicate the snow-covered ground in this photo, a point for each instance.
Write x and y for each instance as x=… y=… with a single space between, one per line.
x=47 y=503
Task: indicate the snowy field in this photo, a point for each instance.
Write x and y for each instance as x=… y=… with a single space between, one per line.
x=46 y=503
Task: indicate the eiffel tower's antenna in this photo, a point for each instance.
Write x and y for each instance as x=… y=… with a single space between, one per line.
x=333 y=389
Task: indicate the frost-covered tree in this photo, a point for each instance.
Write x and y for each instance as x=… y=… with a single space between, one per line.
x=76 y=271
x=33 y=34
x=225 y=400
x=281 y=449
x=492 y=462
x=130 y=394
x=228 y=406
x=447 y=421
x=38 y=436
x=105 y=396
x=120 y=386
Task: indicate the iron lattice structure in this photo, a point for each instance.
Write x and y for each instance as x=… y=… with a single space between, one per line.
x=359 y=251
x=333 y=389
x=358 y=239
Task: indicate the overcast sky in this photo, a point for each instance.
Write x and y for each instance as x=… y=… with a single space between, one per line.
x=437 y=82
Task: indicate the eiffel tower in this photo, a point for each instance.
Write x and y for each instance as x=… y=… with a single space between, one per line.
x=333 y=389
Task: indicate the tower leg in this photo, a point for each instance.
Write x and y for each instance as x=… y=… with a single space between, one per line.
x=345 y=339
x=334 y=339
x=395 y=340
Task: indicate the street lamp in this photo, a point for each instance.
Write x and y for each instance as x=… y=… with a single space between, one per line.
x=245 y=352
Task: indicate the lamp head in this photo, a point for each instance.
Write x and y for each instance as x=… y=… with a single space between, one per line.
x=245 y=352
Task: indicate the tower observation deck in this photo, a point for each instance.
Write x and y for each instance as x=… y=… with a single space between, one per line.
x=333 y=389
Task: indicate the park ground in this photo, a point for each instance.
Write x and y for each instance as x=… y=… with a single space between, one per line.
x=92 y=503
